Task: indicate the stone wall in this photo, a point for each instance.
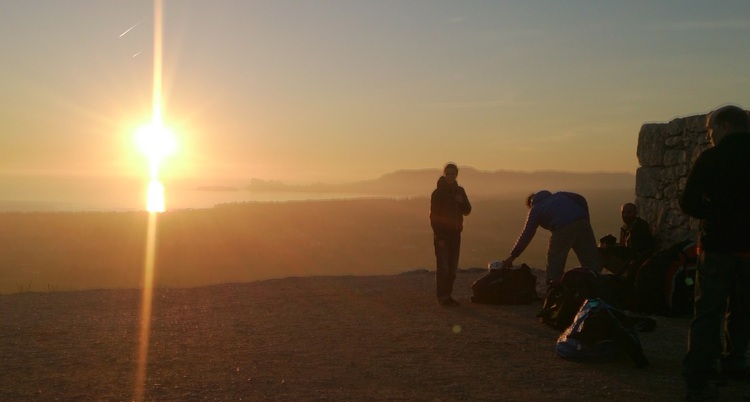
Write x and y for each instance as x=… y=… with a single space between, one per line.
x=666 y=152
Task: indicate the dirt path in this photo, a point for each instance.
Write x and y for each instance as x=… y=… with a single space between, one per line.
x=379 y=338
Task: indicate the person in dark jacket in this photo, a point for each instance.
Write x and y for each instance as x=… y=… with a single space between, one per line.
x=635 y=233
x=636 y=242
x=448 y=206
x=717 y=192
x=566 y=215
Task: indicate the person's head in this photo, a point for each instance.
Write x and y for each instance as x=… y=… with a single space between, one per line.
x=629 y=212
x=530 y=200
x=725 y=120
x=450 y=172
x=535 y=198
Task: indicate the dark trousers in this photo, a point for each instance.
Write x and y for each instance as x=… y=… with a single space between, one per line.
x=720 y=330
x=447 y=265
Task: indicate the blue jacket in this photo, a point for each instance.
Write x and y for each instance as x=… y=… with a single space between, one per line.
x=550 y=211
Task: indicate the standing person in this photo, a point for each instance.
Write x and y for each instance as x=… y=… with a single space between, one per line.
x=448 y=206
x=635 y=233
x=566 y=215
x=717 y=192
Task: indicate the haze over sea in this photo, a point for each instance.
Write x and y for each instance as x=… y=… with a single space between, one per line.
x=212 y=231
x=96 y=193
x=90 y=193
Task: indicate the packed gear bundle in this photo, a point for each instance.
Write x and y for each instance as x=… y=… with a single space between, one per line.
x=565 y=296
x=660 y=283
x=601 y=332
x=505 y=286
x=663 y=284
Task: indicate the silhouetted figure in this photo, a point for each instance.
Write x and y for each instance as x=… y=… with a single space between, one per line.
x=448 y=206
x=717 y=192
x=635 y=233
x=566 y=215
x=635 y=243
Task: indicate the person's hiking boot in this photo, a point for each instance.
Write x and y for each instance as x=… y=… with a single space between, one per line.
x=449 y=302
x=707 y=393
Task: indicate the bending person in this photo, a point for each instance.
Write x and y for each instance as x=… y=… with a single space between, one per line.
x=566 y=215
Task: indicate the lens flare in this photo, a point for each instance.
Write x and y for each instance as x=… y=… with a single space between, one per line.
x=146 y=306
x=157 y=143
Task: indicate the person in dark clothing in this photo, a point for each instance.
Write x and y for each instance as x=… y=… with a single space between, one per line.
x=717 y=192
x=566 y=215
x=635 y=233
x=448 y=206
x=636 y=243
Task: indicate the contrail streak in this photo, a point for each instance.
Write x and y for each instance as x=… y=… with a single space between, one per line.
x=130 y=29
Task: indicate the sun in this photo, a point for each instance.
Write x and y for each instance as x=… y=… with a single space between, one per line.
x=156 y=142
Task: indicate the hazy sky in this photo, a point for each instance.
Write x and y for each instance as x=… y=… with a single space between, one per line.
x=323 y=90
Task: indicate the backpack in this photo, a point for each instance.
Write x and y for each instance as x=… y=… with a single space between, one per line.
x=505 y=286
x=664 y=282
x=565 y=296
x=600 y=332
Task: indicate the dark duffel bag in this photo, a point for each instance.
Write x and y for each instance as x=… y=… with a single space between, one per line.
x=506 y=286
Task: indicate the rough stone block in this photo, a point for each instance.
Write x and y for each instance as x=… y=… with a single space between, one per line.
x=666 y=152
x=674 y=157
x=647 y=181
x=676 y=126
x=695 y=124
x=651 y=145
x=677 y=141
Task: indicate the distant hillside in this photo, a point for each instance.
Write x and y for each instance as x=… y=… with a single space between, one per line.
x=248 y=241
x=476 y=182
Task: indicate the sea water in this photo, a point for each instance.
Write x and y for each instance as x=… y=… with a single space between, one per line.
x=26 y=193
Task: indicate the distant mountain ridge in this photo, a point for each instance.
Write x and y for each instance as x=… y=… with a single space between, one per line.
x=476 y=182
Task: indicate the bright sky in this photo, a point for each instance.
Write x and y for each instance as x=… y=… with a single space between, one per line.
x=304 y=91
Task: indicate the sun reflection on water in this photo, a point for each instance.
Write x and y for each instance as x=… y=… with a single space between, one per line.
x=155 y=202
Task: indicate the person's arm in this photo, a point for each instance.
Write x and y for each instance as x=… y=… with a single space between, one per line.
x=527 y=234
x=465 y=204
x=623 y=235
x=693 y=200
x=435 y=216
x=508 y=262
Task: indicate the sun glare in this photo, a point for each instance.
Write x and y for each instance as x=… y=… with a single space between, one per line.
x=156 y=142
